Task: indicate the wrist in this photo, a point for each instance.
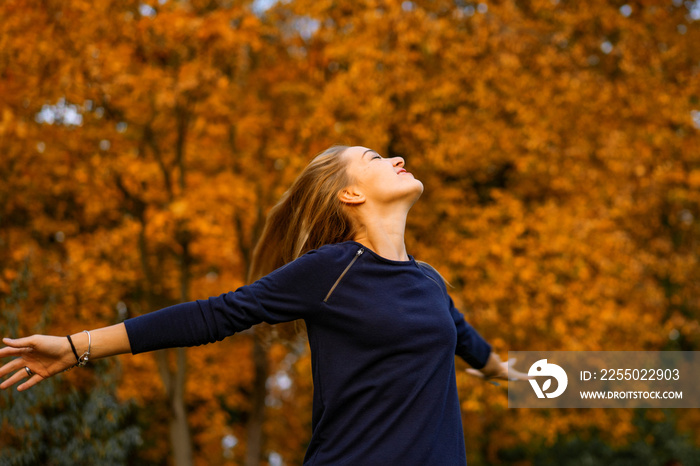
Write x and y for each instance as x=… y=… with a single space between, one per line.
x=81 y=345
x=67 y=352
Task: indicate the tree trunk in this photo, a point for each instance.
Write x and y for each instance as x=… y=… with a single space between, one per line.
x=257 y=410
x=174 y=384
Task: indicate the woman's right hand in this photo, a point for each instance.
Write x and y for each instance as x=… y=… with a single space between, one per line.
x=44 y=355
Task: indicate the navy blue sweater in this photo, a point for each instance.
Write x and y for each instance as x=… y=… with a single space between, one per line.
x=383 y=335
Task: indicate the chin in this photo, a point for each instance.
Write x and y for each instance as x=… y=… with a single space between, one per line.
x=419 y=187
x=417 y=191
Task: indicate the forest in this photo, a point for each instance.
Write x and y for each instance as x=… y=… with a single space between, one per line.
x=142 y=144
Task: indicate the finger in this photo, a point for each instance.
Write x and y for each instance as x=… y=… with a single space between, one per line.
x=11 y=366
x=16 y=346
x=33 y=380
x=523 y=374
x=479 y=374
x=18 y=342
x=9 y=351
x=515 y=375
x=16 y=377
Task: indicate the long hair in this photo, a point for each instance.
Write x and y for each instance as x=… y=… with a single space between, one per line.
x=309 y=215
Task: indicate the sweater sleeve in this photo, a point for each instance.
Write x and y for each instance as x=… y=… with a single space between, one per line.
x=470 y=345
x=291 y=292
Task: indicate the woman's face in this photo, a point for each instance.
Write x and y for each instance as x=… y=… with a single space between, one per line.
x=380 y=180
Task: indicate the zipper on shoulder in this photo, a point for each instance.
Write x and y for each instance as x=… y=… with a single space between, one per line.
x=357 y=254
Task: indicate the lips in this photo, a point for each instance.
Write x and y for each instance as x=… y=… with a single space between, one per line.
x=401 y=171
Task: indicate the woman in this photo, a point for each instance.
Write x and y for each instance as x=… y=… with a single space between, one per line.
x=382 y=329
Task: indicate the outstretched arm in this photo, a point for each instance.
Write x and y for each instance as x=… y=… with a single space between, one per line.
x=46 y=355
x=291 y=292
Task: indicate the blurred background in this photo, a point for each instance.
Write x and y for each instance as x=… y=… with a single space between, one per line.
x=142 y=143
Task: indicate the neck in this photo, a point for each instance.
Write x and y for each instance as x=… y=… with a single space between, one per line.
x=383 y=233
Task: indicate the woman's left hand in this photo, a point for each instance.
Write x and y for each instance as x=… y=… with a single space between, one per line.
x=497 y=369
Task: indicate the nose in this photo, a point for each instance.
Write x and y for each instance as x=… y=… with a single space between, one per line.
x=398 y=162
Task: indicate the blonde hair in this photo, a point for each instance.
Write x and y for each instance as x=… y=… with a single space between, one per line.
x=309 y=215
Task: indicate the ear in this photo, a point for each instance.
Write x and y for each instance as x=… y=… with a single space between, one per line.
x=351 y=195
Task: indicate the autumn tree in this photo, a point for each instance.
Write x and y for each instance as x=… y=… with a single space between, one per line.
x=143 y=143
x=558 y=144
x=146 y=119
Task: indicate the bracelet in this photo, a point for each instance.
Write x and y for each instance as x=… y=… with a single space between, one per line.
x=81 y=360
x=84 y=358
x=72 y=346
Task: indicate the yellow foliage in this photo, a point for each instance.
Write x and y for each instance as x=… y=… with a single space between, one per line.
x=562 y=181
